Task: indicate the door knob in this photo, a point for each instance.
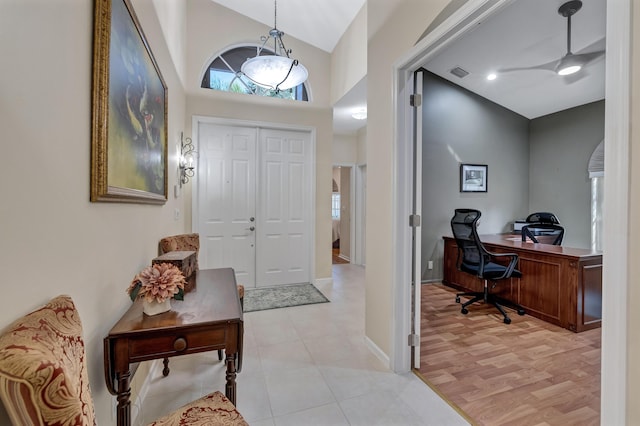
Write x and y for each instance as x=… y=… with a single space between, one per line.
x=252 y=219
x=252 y=228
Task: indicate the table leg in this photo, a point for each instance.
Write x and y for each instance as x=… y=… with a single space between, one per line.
x=230 y=389
x=123 y=410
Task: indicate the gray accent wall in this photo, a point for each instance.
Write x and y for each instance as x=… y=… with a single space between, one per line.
x=533 y=165
x=560 y=146
x=462 y=127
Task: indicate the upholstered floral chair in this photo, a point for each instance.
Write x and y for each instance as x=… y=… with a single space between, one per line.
x=44 y=380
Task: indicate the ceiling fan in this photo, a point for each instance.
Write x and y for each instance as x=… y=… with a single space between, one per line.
x=571 y=62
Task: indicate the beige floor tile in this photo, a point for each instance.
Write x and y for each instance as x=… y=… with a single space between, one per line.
x=307 y=365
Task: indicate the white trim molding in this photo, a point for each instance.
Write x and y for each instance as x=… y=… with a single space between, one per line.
x=615 y=280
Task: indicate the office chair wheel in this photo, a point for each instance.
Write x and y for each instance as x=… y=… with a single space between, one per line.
x=507 y=320
x=521 y=312
x=464 y=311
x=457 y=299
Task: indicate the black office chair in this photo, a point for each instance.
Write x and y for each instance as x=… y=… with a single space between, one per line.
x=543 y=217
x=547 y=233
x=474 y=259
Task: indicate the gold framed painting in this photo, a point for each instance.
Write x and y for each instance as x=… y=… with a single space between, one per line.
x=129 y=111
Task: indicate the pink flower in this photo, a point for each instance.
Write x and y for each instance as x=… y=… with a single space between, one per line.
x=159 y=282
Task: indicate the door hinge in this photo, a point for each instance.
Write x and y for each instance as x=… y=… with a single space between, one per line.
x=414 y=340
x=415 y=100
x=414 y=220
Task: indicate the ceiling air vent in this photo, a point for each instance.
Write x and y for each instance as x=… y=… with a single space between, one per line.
x=459 y=72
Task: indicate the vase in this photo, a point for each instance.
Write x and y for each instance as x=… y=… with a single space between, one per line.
x=155 y=308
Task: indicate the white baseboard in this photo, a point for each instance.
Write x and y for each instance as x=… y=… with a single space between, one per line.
x=379 y=353
x=343 y=257
x=323 y=281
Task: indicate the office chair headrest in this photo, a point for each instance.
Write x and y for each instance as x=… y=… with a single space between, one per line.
x=543 y=217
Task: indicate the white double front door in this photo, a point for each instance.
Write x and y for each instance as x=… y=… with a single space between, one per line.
x=253 y=202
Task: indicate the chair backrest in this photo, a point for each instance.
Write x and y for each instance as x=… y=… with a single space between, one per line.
x=43 y=368
x=188 y=242
x=470 y=250
x=546 y=233
x=543 y=217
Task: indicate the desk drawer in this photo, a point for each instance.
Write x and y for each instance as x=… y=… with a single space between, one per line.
x=177 y=343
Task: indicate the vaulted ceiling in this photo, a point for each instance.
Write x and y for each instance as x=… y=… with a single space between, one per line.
x=523 y=33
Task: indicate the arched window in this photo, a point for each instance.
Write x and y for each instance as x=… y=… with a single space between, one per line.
x=596 y=174
x=224 y=74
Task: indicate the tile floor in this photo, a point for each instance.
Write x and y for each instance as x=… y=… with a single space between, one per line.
x=306 y=365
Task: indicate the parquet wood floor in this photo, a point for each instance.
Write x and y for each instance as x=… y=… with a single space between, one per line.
x=335 y=257
x=526 y=373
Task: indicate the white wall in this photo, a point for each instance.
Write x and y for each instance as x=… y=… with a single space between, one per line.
x=633 y=320
x=54 y=241
x=395 y=37
x=172 y=17
x=349 y=57
x=362 y=146
x=344 y=149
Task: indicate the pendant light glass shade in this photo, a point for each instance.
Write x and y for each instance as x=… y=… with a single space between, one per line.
x=271 y=71
x=277 y=71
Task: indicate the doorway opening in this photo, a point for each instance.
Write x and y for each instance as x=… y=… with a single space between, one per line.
x=614 y=341
x=341 y=215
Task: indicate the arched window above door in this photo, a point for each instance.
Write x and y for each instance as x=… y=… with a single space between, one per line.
x=224 y=74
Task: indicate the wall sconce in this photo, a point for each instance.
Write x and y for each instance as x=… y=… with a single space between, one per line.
x=186 y=163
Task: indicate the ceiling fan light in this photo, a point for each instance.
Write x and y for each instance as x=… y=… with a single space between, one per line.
x=572 y=69
x=569 y=64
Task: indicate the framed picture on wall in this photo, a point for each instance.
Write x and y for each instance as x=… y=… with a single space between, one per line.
x=129 y=111
x=473 y=177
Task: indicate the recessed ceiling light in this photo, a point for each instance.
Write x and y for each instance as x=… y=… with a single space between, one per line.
x=360 y=114
x=492 y=77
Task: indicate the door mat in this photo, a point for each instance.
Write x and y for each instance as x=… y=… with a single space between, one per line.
x=283 y=296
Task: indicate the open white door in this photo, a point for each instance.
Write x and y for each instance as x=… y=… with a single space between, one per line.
x=416 y=262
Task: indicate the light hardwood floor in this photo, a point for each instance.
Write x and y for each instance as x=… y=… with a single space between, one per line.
x=526 y=373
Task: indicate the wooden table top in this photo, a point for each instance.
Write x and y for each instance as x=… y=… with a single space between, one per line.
x=213 y=300
x=515 y=241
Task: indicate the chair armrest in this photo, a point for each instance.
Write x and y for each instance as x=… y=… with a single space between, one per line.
x=510 y=267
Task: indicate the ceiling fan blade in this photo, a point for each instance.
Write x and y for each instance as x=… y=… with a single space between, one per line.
x=596 y=46
x=548 y=66
x=589 y=57
x=574 y=78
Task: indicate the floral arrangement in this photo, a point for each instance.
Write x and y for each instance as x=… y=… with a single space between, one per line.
x=158 y=282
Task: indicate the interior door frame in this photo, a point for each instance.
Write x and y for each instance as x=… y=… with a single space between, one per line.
x=352 y=203
x=196 y=119
x=360 y=214
x=615 y=256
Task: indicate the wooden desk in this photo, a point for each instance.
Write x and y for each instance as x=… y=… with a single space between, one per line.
x=209 y=318
x=560 y=285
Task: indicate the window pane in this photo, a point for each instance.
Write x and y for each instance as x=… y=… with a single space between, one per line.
x=223 y=74
x=335 y=205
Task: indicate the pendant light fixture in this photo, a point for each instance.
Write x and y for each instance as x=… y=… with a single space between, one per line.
x=277 y=71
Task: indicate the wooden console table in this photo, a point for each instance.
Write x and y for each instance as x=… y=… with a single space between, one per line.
x=560 y=285
x=209 y=318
